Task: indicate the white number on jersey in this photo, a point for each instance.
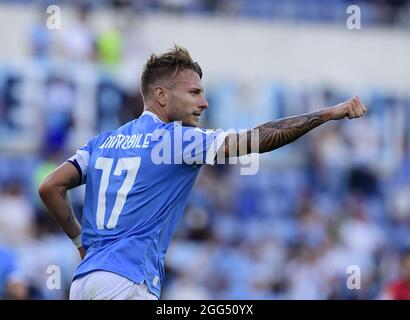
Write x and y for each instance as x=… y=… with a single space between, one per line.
x=105 y=164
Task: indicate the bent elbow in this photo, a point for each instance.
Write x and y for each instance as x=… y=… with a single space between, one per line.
x=45 y=188
x=42 y=190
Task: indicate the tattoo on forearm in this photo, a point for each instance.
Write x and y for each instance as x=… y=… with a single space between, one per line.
x=272 y=135
x=275 y=134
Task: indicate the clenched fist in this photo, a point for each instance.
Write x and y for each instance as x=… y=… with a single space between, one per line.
x=351 y=109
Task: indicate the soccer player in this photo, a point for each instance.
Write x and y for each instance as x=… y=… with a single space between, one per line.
x=139 y=176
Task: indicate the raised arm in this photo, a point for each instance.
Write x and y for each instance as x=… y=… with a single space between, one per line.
x=53 y=192
x=275 y=134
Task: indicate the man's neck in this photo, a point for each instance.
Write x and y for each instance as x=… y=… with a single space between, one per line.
x=160 y=115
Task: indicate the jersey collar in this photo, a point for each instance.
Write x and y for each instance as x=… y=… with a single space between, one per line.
x=153 y=115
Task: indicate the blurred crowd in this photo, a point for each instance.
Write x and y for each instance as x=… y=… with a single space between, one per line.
x=375 y=12
x=335 y=199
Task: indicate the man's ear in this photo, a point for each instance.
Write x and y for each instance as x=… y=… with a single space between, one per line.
x=161 y=95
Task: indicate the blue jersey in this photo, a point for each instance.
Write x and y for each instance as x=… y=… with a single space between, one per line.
x=138 y=179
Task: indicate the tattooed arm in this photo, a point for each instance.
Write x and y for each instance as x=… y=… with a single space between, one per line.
x=53 y=192
x=277 y=133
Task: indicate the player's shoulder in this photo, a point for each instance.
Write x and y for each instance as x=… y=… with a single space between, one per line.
x=101 y=137
x=123 y=129
x=178 y=126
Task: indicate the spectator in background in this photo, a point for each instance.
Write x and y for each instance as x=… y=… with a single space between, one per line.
x=12 y=285
x=58 y=117
x=77 y=42
x=9 y=99
x=16 y=215
x=40 y=37
x=109 y=47
x=399 y=289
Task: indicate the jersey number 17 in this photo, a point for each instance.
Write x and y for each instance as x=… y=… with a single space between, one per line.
x=131 y=165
